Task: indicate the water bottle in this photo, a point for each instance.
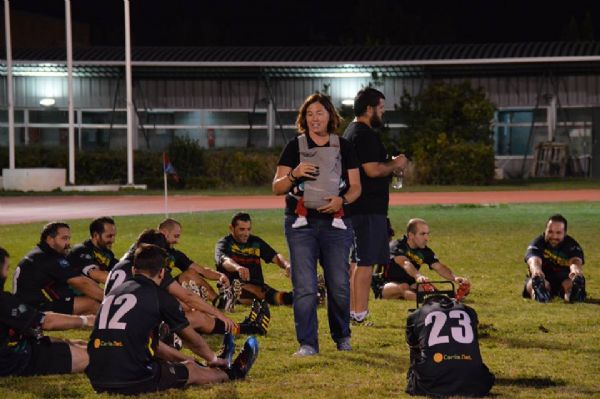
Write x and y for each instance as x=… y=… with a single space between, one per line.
x=397 y=180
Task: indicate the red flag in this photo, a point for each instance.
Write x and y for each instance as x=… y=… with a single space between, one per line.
x=168 y=167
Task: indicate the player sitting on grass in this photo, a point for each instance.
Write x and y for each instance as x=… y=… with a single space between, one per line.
x=407 y=256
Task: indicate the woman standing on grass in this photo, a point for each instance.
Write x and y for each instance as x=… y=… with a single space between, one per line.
x=322 y=168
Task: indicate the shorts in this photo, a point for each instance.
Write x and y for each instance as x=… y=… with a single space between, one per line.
x=555 y=279
x=170 y=375
x=48 y=358
x=64 y=305
x=371 y=239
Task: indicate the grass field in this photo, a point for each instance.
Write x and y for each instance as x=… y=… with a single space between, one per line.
x=535 y=350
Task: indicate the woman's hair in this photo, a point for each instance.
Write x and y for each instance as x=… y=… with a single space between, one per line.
x=334 y=117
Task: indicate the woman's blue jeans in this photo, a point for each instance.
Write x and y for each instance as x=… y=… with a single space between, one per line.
x=320 y=241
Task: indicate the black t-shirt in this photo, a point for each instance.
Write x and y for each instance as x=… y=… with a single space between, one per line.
x=122 y=272
x=418 y=257
x=20 y=327
x=179 y=260
x=554 y=259
x=444 y=351
x=375 y=194
x=86 y=256
x=290 y=156
x=41 y=276
x=247 y=255
x=123 y=344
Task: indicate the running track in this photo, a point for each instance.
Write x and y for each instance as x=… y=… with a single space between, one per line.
x=14 y=210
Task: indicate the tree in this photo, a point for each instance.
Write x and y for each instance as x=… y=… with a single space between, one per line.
x=448 y=134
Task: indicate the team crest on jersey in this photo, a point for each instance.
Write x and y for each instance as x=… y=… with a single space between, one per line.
x=63 y=263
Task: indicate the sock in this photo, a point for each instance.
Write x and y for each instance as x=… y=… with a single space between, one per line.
x=360 y=316
x=287 y=298
x=219 y=327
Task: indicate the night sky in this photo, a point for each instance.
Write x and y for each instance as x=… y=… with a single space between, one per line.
x=312 y=22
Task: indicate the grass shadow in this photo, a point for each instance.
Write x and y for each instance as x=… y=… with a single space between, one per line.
x=530 y=382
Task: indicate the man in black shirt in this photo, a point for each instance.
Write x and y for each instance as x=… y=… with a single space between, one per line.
x=239 y=255
x=44 y=277
x=24 y=350
x=369 y=212
x=193 y=275
x=444 y=351
x=94 y=257
x=203 y=317
x=126 y=356
x=407 y=257
x=555 y=262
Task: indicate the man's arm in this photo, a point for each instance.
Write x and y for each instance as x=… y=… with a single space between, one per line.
x=280 y=261
x=383 y=169
x=195 y=302
x=197 y=345
x=98 y=275
x=535 y=266
x=446 y=273
x=575 y=267
x=232 y=266
x=170 y=354
x=59 y=321
x=410 y=269
x=210 y=274
x=87 y=286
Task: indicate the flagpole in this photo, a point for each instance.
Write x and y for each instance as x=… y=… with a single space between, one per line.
x=166 y=201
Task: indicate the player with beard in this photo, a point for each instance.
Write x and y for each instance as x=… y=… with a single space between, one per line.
x=24 y=350
x=94 y=257
x=555 y=261
x=369 y=212
x=44 y=277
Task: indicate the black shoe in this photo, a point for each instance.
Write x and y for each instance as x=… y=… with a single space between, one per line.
x=259 y=319
x=539 y=291
x=377 y=283
x=243 y=363
x=578 y=293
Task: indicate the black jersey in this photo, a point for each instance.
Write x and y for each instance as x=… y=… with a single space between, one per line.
x=20 y=328
x=247 y=255
x=554 y=259
x=178 y=259
x=122 y=272
x=418 y=257
x=444 y=351
x=42 y=275
x=123 y=344
x=86 y=256
x=374 y=197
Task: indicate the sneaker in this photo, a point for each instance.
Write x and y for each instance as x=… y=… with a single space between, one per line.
x=338 y=223
x=305 y=351
x=321 y=290
x=365 y=321
x=377 y=283
x=344 y=344
x=263 y=318
x=578 y=293
x=228 y=349
x=232 y=295
x=301 y=221
x=539 y=291
x=243 y=363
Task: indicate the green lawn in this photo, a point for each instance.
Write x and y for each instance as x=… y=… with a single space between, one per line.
x=535 y=350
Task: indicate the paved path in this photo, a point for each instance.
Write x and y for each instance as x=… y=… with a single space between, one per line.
x=14 y=210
